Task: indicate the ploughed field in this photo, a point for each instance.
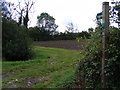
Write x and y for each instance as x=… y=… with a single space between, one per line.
x=68 y=44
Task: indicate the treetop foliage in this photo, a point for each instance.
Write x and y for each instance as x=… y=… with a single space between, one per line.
x=115 y=12
x=47 y=21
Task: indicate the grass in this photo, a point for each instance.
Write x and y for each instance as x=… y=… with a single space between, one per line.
x=49 y=68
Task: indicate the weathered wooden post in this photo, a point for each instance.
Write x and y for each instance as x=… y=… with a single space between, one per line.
x=105 y=25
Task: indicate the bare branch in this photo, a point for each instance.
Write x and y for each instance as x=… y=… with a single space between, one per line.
x=19 y=6
x=32 y=5
x=25 y=2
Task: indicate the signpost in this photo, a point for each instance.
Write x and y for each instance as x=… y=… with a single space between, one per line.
x=105 y=26
x=99 y=16
x=105 y=21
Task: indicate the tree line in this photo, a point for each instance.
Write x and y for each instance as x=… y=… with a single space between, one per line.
x=17 y=37
x=46 y=30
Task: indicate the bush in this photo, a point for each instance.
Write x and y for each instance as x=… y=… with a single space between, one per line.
x=89 y=70
x=16 y=45
x=112 y=68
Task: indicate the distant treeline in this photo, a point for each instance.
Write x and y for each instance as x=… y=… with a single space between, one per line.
x=40 y=34
x=16 y=36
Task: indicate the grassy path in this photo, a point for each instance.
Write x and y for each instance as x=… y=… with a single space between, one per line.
x=50 y=67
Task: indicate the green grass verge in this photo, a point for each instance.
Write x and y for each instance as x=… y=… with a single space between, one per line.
x=49 y=68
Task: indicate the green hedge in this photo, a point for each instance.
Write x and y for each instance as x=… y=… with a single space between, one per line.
x=89 y=70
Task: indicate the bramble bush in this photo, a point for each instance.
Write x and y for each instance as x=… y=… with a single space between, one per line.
x=89 y=68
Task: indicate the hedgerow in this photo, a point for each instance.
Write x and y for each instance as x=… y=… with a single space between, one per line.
x=89 y=69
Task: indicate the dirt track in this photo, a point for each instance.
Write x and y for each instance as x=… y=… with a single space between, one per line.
x=69 y=44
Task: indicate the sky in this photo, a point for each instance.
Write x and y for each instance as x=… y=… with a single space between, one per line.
x=82 y=13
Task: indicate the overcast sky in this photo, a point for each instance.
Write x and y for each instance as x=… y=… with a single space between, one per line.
x=81 y=13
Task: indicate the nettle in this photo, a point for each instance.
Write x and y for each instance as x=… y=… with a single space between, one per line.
x=89 y=70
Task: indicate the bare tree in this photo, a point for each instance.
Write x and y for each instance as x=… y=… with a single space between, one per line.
x=71 y=28
x=23 y=9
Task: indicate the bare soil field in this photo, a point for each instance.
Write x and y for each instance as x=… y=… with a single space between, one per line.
x=68 y=44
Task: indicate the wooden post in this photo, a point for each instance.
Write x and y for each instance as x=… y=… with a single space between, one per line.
x=105 y=22
x=1 y=48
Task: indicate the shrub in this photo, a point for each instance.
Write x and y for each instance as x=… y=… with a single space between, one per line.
x=89 y=70
x=112 y=68
x=16 y=45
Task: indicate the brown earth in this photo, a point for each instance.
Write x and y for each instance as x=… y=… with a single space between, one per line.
x=68 y=44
